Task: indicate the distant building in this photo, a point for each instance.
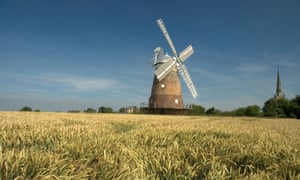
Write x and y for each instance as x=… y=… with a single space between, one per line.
x=131 y=109
x=279 y=94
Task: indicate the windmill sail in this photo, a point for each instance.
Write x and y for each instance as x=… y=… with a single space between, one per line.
x=176 y=61
x=186 y=53
x=166 y=34
x=187 y=79
x=165 y=69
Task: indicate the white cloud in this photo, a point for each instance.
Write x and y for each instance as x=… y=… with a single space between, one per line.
x=251 y=68
x=76 y=82
x=288 y=60
x=211 y=77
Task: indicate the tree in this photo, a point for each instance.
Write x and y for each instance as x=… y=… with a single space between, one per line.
x=122 y=110
x=213 y=111
x=228 y=113
x=90 y=110
x=276 y=107
x=294 y=107
x=270 y=108
x=104 y=109
x=240 y=111
x=196 y=110
x=26 y=108
x=252 y=110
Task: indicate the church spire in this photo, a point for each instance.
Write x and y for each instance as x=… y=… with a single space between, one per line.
x=279 y=94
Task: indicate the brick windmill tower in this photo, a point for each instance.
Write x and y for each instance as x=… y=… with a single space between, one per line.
x=166 y=93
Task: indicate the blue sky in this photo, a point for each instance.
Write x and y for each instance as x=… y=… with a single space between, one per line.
x=57 y=55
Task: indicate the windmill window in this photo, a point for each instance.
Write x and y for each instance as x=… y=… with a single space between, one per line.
x=176 y=101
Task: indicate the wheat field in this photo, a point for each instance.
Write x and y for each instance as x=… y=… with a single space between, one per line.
x=35 y=145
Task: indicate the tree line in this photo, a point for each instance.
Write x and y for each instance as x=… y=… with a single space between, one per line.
x=102 y=109
x=273 y=107
x=251 y=110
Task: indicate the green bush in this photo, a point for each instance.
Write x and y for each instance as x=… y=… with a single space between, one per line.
x=294 y=107
x=196 y=110
x=90 y=110
x=26 y=108
x=276 y=107
x=104 y=109
x=252 y=110
x=213 y=111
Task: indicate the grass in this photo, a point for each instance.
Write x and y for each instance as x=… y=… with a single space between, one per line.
x=121 y=146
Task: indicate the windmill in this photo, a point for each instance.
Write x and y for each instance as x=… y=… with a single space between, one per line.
x=166 y=94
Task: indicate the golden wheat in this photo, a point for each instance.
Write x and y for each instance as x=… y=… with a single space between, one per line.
x=122 y=146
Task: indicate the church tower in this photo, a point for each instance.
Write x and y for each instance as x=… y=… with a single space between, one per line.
x=279 y=94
